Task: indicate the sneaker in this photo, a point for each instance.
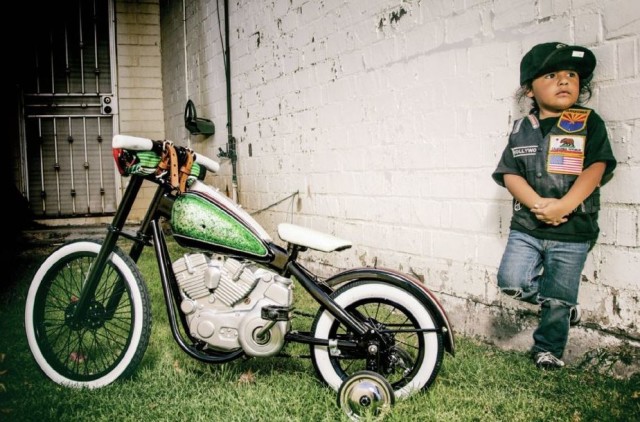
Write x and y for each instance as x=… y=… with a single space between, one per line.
x=513 y=293
x=574 y=315
x=546 y=360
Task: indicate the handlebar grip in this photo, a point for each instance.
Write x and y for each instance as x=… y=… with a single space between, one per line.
x=132 y=142
x=136 y=143
x=207 y=163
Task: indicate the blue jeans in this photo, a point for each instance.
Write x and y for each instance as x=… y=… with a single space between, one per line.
x=546 y=272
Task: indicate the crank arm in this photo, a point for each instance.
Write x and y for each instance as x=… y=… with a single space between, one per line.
x=306 y=338
x=419 y=330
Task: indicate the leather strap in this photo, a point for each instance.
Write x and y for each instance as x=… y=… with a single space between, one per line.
x=185 y=170
x=169 y=163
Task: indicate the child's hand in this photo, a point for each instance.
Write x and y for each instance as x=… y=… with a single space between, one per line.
x=550 y=211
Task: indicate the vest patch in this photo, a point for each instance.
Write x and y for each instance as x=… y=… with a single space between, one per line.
x=566 y=154
x=516 y=126
x=573 y=120
x=522 y=151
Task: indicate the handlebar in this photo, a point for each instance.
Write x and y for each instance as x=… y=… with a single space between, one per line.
x=135 y=143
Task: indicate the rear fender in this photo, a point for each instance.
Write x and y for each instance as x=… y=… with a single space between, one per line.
x=405 y=281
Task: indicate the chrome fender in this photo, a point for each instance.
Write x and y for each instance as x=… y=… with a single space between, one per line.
x=405 y=281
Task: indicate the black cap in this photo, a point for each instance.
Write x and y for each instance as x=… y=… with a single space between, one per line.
x=549 y=57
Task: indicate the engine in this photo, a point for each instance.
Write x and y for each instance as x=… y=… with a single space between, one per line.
x=231 y=304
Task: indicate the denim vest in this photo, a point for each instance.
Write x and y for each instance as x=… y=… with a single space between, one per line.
x=552 y=163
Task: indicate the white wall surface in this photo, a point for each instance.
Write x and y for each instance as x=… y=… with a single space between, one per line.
x=139 y=82
x=387 y=119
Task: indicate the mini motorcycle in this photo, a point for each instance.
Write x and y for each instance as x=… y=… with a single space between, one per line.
x=378 y=335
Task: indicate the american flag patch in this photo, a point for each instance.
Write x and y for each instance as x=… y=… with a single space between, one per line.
x=566 y=154
x=565 y=163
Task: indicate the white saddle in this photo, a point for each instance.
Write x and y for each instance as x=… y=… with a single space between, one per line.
x=311 y=239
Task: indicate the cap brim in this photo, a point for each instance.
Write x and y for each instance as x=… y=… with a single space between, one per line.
x=579 y=59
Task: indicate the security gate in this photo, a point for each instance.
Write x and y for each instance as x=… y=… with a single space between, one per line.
x=68 y=110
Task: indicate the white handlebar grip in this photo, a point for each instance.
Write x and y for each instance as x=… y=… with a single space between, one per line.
x=132 y=142
x=207 y=163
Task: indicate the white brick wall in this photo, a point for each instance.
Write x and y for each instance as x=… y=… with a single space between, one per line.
x=388 y=117
x=139 y=76
x=141 y=111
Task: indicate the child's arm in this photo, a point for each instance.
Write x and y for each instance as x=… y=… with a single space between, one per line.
x=553 y=211
x=521 y=190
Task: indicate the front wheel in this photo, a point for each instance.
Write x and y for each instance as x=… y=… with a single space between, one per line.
x=110 y=340
x=408 y=357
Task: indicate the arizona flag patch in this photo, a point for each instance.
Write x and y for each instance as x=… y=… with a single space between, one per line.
x=573 y=120
x=566 y=154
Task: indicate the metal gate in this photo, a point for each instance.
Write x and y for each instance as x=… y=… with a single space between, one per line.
x=69 y=105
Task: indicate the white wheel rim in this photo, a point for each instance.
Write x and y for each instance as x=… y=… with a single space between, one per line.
x=29 y=308
x=413 y=306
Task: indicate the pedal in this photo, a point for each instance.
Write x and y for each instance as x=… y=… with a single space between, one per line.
x=275 y=313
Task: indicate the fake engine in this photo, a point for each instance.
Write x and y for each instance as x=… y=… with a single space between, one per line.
x=231 y=304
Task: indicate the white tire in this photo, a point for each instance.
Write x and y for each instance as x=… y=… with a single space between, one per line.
x=110 y=341
x=419 y=353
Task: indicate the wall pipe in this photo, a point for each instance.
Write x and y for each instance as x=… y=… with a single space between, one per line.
x=186 y=62
x=230 y=139
x=231 y=151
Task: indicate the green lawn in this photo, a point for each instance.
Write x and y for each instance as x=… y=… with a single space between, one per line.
x=480 y=383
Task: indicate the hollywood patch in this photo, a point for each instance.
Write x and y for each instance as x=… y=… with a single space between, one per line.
x=566 y=154
x=573 y=120
x=523 y=151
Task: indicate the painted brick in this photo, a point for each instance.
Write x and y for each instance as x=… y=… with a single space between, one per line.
x=464 y=26
x=627 y=227
x=607 y=223
x=606 y=67
x=546 y=31
x=504 y=83
x=390 y=131
x=487 y=57
x=423 y=38
x=140 y=83
x=587 y=29
x=630 y=134
x=619 y=102
x=490 y=249
x=549 y=8
x=623 y=19
x=615 y=267
x=620 y=134
x=623 y=188
x=473 y=217
x=447 y=245
x=627 y=59
x=509 y=14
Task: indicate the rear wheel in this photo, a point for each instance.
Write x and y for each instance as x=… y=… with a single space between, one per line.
x=409 y=360
x=110 y=340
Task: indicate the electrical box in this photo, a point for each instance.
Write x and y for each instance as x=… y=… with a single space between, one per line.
x=108 y=104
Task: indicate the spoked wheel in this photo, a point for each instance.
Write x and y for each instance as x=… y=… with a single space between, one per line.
x=409 y=359
x=105 y=344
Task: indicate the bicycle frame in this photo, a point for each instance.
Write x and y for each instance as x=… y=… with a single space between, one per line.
x=150 y=233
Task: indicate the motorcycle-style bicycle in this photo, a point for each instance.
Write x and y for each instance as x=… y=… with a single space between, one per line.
x=378 y=334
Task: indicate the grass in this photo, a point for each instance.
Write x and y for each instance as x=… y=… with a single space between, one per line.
x=480 y=383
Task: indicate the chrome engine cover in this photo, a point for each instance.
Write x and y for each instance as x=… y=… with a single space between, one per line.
x=223 y=298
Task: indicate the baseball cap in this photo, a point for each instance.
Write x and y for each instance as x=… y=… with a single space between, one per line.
x=548 y=57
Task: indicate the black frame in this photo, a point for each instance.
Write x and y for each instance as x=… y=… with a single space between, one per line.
x=150 y=233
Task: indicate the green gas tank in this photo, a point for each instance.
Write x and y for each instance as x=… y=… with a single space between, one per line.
x=205 y=218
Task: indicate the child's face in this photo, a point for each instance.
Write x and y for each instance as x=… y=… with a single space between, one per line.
x=555 y=92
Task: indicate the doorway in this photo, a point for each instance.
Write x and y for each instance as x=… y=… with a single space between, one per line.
x=67 y=109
